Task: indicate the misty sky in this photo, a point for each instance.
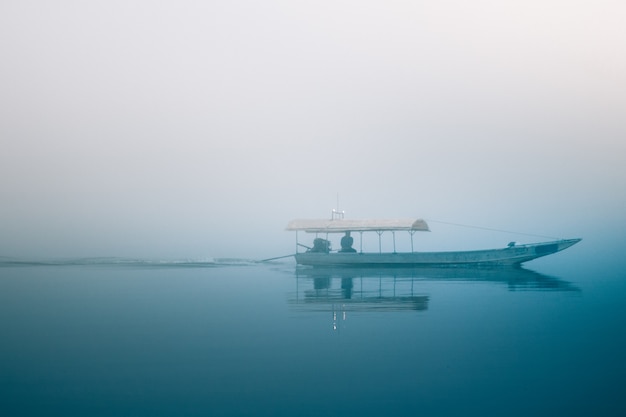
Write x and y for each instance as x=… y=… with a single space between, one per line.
x=175 y=128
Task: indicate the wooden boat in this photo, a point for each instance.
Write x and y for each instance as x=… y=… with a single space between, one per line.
x=321 y=253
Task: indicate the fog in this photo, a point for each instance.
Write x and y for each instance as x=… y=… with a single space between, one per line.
x=199 y=129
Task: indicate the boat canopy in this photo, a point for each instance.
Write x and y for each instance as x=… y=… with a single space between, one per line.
x=368 y=225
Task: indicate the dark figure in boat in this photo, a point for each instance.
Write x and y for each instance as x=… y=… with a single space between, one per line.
x=346 y=243
x=320 y=245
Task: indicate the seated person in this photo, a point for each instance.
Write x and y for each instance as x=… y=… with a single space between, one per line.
x=346 y=243
x=320 y=245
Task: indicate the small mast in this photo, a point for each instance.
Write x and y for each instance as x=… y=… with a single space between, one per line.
x=336 y=214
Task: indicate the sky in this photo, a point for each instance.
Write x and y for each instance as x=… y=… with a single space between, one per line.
x=200 y=128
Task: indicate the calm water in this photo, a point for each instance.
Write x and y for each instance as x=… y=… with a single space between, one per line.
x=110 y=338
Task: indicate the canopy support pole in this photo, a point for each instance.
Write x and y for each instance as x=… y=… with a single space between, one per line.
x=361 y=240
x=394 y=240
x=380 y=247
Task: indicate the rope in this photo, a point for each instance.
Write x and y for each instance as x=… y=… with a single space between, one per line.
x=493 y=230
x=277 y=257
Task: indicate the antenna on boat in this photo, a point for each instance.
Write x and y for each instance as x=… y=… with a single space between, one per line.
x=336 y=214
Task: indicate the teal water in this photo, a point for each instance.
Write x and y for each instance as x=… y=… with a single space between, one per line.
x=116 y=337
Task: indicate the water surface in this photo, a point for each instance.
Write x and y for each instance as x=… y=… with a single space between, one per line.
x=231 y=338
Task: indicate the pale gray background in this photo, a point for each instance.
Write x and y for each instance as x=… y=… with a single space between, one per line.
x=171 y=129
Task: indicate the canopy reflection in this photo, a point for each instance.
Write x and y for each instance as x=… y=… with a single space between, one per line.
x=399 y=289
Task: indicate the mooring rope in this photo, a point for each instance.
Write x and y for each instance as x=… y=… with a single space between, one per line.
x=277 y=257
x=492 y=229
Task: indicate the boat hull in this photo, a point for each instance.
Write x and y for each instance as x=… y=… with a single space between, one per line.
x=509 y=256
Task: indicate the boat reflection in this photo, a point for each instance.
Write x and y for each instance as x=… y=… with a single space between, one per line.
x=401 y=289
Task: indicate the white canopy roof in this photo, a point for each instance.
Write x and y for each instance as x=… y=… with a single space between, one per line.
x=368 y=225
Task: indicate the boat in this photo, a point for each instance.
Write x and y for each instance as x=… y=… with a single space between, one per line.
x=321 y=253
